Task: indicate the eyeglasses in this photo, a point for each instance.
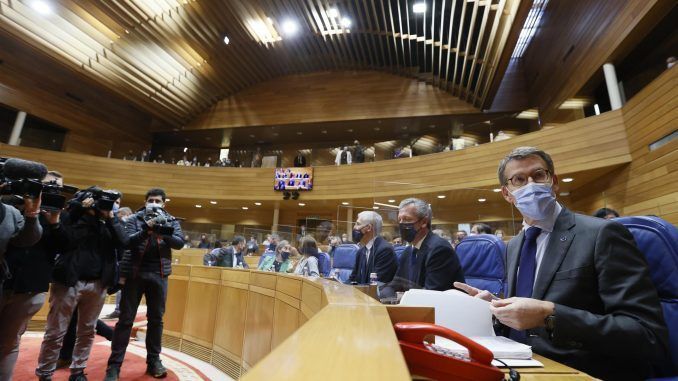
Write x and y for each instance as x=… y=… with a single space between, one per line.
x=538 y=176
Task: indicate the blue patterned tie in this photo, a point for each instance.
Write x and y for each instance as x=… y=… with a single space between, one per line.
x=526 y=272
x=413 y=265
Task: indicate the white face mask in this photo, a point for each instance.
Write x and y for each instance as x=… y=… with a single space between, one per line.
x=535 y=200
x=153 y=205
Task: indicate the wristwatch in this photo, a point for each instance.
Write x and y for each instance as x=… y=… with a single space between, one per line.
x=550 y=324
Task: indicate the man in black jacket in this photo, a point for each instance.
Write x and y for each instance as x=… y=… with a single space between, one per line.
x=144 y=271
x=24 y=292
x=87 y=238
x=430 y=262
x=376 y=254
x=232 y=256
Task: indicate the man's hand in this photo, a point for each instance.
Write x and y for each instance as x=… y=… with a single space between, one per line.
x=52 y=216
x=32 y=206
x=88 y=202
x=475 y=292
x=522 y=313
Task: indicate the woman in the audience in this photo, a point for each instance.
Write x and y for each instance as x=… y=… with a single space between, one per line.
x=308 y=265
x=280 y=262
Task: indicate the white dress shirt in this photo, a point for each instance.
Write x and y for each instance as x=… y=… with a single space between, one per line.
x=368 y=249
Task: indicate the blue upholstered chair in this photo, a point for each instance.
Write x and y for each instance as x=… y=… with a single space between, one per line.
x=658 y=241
x=482 y=258
x=344 y=260
x=324 y=264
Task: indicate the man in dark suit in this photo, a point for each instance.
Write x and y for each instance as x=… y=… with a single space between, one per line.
x=375 y=254
x=578 y=288
x=430 y=262
x=299 y=160
x=231 y=256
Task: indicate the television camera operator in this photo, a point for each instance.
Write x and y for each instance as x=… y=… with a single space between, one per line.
x=19 y=183
x=87 y=235
x=143 y=271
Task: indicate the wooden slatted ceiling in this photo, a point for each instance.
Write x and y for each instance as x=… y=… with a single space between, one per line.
x=168 y=56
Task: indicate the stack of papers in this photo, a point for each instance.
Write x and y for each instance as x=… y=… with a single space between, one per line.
x=472 y=318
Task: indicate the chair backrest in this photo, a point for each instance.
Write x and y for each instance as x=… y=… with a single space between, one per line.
x=658 y=241
x=399 y=250
x=267 y=253
x=482 y=258
x=344 y=260
x=324 y=264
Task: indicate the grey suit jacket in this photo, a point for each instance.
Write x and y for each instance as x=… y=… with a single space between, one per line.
x=608 y=320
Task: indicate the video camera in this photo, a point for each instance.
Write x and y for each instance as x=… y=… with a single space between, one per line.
x=103 y=200
x=23 y=178
x=161 y=218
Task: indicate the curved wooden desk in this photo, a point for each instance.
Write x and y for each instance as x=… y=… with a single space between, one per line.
x=264 y=326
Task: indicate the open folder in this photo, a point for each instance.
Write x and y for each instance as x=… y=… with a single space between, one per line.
x=470 y=317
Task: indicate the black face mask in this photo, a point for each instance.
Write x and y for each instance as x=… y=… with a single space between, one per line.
x=357 y=235
x=284 y=255
x=407 y=231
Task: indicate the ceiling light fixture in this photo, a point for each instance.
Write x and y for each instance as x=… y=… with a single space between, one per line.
x=213 y=202
x=391 y=200
x=496 y=190
x=185 y=149
x=567 y=180
x=386 y=205
x=244 y=208
x=290 y=27
x=42 y=7
x=167 y=200
x=564 y=193
x=441 y=196
x=344 y=203
x=419 y=8
x=375 y=207
x=333 y=12
x=257 y=203
x=302 y=204
x=482 y=200
x=198 y=206
x=346 y=22
x=227 y=40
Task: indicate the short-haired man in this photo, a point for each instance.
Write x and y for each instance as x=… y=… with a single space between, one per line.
x=578 y=288
x=145 y=268
x=376 y=254
x=430 y=262
x=481 y=228
x=232 y=256
x=606 y=213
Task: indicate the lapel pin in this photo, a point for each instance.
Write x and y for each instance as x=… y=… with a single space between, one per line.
x=563 y=238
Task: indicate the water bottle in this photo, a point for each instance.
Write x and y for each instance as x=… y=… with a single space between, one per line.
x=373 y=279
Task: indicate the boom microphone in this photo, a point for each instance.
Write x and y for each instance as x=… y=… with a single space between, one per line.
x=16 y=169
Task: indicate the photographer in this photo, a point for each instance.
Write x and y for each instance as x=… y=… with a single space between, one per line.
x=30 y=270
x=144 y=271
x=87 y=235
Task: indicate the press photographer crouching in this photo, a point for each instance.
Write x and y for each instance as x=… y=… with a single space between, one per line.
x=30 y=270
x=143 y=271
x=87 y=237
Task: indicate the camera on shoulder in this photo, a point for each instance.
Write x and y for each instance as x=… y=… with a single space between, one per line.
x=162 y=220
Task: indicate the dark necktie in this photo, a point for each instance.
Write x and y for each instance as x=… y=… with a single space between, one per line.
x=526 y=272
x=413 y=264
x=362 y=266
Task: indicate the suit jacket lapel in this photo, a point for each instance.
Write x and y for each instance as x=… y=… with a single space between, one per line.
x=559 y=242
x=370 y=261
x=512 y=254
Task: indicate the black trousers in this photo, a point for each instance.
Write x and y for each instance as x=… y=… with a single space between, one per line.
x=66 y=352
x=154 y=287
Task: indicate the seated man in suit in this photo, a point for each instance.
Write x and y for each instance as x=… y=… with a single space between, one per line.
x=578 y=288
x=231 y=256
x=430 y=262
x=375 y=254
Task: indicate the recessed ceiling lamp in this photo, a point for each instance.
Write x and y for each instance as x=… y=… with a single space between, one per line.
x=375 y=207
x=323 y=131
x=344 y=203
x=567 y=180
x=257 y=203
x=227 y=40
x=496 y=190
x=213 y=202
x=244 y=208
x=391 y=200
x=419 y=8
x=42 y=7
x=349 y=130
x=290 y=27
x=564 y=193
x=198 y=206
x=441 y=196
x=482 y=200
x=167 y=200
x=299 y=133
x=346 y=22
x=302 y=204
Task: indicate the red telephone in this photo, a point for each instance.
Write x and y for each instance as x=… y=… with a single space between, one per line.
x=423 y=361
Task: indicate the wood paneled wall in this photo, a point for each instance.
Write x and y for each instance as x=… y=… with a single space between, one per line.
x=648 y=185
x=330 y=96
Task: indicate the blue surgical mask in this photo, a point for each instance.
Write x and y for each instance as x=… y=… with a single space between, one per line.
x=116 y=208
x=535 y=201
x=357 y=235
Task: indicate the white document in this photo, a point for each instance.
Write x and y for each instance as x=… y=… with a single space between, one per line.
x=454 y=310
x=532 y=363
x=470 y=317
